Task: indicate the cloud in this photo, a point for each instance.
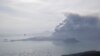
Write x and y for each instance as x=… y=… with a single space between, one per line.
x=82 y=28
x=24 y=18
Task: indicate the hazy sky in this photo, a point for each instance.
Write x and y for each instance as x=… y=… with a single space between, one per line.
x=29 y=16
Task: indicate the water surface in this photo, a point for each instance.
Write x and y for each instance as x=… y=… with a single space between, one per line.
x=30 y=48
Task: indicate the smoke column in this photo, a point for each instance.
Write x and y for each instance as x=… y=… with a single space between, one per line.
x=81 y=28
x=82 y=32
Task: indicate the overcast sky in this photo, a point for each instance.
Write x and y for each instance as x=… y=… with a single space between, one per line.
x=30 y=16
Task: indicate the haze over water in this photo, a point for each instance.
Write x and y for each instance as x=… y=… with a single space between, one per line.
x=30 y=48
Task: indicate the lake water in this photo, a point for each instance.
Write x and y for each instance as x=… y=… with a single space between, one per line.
x=43 y=48
x=30 y=48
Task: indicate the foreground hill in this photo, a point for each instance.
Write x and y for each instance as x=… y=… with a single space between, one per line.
x=87 y=53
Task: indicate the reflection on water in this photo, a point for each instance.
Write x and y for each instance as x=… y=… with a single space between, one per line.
x=30 y=48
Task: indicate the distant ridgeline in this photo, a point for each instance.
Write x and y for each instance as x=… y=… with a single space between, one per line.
x=87 y=53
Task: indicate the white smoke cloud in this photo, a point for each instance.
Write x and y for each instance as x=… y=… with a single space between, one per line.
x=80 y=28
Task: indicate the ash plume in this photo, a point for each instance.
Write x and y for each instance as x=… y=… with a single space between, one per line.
x=78 y=28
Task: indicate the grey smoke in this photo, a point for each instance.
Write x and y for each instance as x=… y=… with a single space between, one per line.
x=78 y=28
